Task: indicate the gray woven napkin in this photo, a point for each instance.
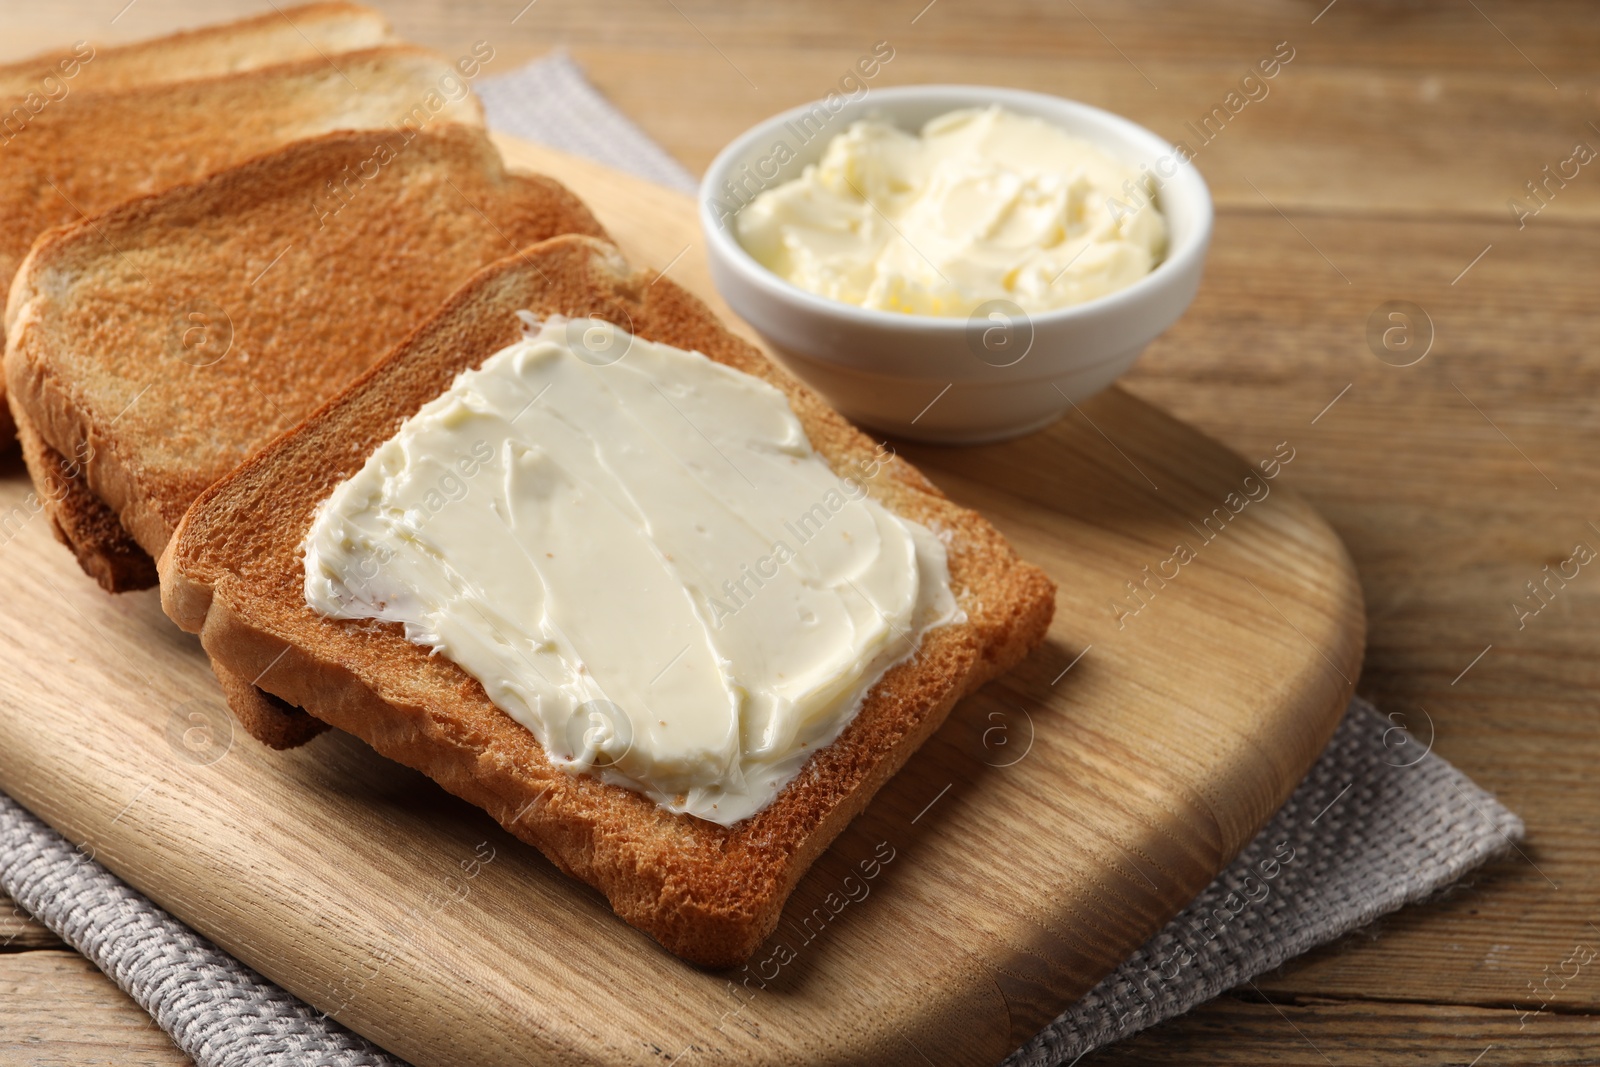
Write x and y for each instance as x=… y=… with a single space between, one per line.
x=1379 y=822
x=550 y=101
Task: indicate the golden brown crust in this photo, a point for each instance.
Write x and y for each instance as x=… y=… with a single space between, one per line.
x=34 y=92
x=304 y=31
x=81 y=520
x=708 y=893
x=98 y=148
x=167 y=339
x=271 y=720
x=171 y=336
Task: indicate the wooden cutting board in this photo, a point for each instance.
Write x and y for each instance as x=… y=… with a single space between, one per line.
x=1059 y=818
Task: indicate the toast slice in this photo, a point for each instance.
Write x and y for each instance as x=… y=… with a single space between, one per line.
x=234 y=573
x=160 y=344
x=101 y=147
x=81 y=520
x=304 y=31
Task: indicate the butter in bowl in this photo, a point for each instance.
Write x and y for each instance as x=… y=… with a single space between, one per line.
x=955 y=263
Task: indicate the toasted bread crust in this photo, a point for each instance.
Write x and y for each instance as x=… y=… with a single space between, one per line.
x=709 y=893
x=292 y=33
x=98 y=349
x=98 y=148
x=45 y=81
x=81 y=520
x=97 y=355
x=271 y=720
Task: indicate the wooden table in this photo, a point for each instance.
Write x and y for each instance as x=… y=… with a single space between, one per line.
x=1377 y=167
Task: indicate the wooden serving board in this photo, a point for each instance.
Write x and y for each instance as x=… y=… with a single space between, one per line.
x=1059 y=818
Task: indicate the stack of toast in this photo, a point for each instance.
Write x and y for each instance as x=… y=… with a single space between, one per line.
x=230 y=290
x=255 y=251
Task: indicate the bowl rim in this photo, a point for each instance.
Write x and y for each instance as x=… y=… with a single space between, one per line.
x=1175 y=265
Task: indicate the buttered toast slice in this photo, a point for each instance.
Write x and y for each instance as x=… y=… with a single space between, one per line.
x=98 y=148
x=151 y=349
x=234 y=573
x=304 y=31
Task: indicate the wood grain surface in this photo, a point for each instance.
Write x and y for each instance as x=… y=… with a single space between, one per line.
x=1388 y=147
x=21 y=933
x=77 y=1023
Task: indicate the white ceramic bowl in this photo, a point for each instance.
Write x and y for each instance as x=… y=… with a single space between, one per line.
x=950 y=379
